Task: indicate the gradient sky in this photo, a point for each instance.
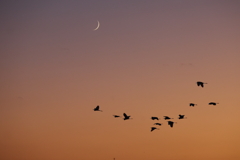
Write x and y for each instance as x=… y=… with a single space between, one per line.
x=145 y=60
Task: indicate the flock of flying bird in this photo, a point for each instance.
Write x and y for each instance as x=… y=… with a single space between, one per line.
x=170 y=123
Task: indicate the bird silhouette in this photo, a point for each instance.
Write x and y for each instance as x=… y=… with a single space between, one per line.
x=192 y=104
x=97 y=109
x=153 y=128
x=213 y=103
x=116 y=116
x=166 y=117
x=158 y=124
x=126 y=117
x=200 y=83
x=181 y=116
x=153 y=118
x=170 y=123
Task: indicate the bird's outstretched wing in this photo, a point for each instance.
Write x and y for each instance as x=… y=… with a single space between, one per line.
x=192 y=104
x=200 y=84
x=96 y=108
x=213 y=103
x=166 y=117
x=153 y=118
x=125 y=115
x=170 y=123
x=181 y=116
x=153 y=128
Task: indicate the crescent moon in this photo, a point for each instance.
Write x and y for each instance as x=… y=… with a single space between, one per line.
x=97 y=26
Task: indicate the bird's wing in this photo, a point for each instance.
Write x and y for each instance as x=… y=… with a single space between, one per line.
x=170 y=123
x=153 y=128
x=125 y=115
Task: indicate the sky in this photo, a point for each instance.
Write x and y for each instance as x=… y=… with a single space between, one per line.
x=144 y=60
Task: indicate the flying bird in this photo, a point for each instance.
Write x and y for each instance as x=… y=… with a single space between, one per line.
x=116 y=116
x=97 y=109
x=153 y=128
x=200 y=83
x=158 y=124
x=170 y=123
x=126 y=117
x=166 y=117
x=192 y=104
x=213 y=103
x=153 y=118
x=181 y=116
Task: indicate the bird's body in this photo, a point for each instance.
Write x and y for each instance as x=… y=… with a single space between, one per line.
x=158 y=124
x=126 y=117
x=153 y=128
x=154 y=118
x=166 y=117
x=213 y=103
x=97 y=109
x=200 y=83
x=181 y=116
x=170 y=123
x=192 y=104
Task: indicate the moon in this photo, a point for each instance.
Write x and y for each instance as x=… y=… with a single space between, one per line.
x=97 y=26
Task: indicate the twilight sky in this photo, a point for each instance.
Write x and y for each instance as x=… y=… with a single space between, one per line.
x=144 y=60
